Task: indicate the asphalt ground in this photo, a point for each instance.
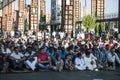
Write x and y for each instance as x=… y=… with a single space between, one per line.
x=64 y=75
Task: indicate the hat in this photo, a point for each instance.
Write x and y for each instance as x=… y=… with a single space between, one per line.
x=83 y=42
x=50 y=45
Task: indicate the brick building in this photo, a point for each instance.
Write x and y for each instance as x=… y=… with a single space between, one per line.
x=98 y=8
x=7 y=17
x=34 y=15
x=70 y=12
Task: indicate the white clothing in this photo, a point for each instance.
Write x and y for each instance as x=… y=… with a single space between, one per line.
x=7 y=51
x=112 y=58
x=88 y=61
x=80 y=64
x=30 y=64
x=5 y=34
x=17 y=56
x=27 y=54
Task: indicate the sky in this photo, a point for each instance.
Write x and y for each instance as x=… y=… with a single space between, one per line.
x=111 y=6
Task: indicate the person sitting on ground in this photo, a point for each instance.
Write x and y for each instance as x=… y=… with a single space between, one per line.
x=62 y=53
x=51 y=52
x=3 y=64
x=31 y=59
x=90 y=61
x=79 y=62
x=101 y=57
x=17 y=59
x=44 y=60
x=59 y=63
x=68 y=62
x=112 y=58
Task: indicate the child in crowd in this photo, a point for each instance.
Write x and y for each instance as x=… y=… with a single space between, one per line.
x=59 y=63
x=68 y=62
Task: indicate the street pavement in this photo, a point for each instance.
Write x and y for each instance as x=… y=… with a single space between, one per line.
x=65 y=75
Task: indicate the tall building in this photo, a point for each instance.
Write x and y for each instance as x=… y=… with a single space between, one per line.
x=7 y=16
x=70 y=11
x=84 y=9
x=21 y=8
x=77 y=9
x=48 y=11
x=34 y=15
x=56 y=14
x=98 y=8
x=42 y=10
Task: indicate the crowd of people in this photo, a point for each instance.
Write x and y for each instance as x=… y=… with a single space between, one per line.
x=85 y=52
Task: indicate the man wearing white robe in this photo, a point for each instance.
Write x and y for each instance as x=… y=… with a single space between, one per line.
x=79 y=62
x=90 y=61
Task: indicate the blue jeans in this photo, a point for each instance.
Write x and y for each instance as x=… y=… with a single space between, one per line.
x=44 y=66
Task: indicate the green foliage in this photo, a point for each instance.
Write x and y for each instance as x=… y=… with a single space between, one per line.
x=111 y=25
x=97 y=29
x=27 y=26
x=43 y=18
x=13 y=28
x=88 y=22
x=103 y=27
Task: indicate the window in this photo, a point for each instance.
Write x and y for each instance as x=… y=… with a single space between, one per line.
x=70 y=8
x=67 y=2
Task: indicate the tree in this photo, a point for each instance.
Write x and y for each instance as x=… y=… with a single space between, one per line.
x=97 y=29
x=101 y=27
x=111 y=25
x=43 y=18
x=88 y=22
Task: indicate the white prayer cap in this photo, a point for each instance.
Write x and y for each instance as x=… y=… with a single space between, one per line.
x=83 y=42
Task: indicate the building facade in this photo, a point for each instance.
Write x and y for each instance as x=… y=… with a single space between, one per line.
x=70 y=14
x=84 y=9
x=34 y=15
x=77 y=10
x=98 y=8
x=55 y=15
x=7 y=16
x=21 y=15
x=42 y=10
